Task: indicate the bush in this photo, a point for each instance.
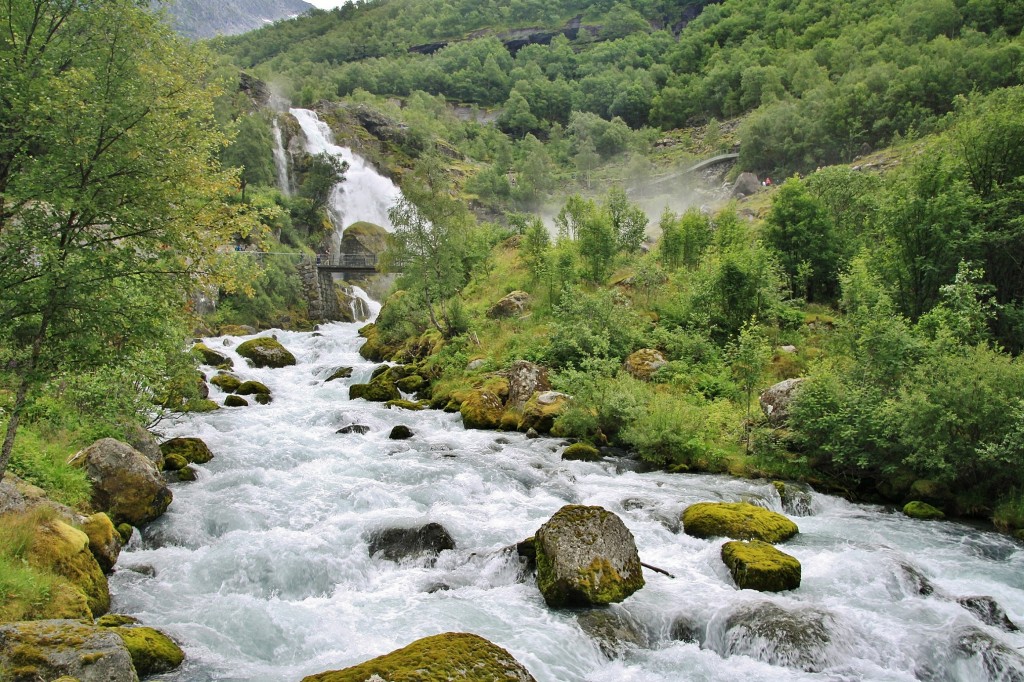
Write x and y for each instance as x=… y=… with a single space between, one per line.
x=594 y=325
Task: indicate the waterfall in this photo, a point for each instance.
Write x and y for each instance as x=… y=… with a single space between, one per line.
x=281 y=162
x=365 y=194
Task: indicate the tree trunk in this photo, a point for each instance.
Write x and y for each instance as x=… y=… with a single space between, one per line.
x=26 y=376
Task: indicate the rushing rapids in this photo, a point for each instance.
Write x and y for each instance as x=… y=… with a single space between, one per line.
x=260 y=567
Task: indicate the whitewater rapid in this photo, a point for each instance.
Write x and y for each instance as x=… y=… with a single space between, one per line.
x=260 y=567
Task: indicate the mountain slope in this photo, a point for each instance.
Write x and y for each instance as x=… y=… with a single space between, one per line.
x=208 y=18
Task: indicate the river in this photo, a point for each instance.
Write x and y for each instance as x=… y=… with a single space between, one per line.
x=260 y=567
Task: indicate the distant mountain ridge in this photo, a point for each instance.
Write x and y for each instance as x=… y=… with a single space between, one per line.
x=209 y=18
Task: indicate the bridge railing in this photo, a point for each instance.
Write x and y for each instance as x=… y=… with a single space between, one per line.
x=347 y=260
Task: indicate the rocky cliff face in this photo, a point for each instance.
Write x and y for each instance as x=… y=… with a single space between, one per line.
x=208 y=18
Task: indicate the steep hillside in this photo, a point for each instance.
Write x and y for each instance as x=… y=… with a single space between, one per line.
x=208 y=18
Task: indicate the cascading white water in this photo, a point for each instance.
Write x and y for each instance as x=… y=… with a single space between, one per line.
x=365 y=194
x=281 y=162
x=260 y=567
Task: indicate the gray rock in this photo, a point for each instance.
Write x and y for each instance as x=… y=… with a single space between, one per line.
x=550 y=397
x=49 y=649
x=340 y=373
x=775 y=401
x=988 y=612
x=395 y=544
x=401 y=432
x=796 y=638
x=146 y=443
x=354 y=428
x=524 y=378
x=613 y=630
x=511 y=305
x=474 y=365
x=586 y=557
x=746 y=184
x=125 y=483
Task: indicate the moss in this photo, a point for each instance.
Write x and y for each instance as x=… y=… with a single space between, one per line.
x=375 y=348
x=152 y=651
x=411 y=383
x=757 y=565
x=235 y=401
x=340 y=373
x=540 y=416
x=406 y=405
x=448 y=657
x=174 y=461
x=64 y=551
x=235 y=330
x=194 y=450
x=253 y=388
x=584 y=452
x=375 y=391
x=208 y=356
x=200 y=406
x=125 y=530
x=922 y=510
x=104 y=541
x=226 y=382
x=481 y=410
x=737 y=520
x=266 y=352
x=114 y=620
x=510 y=420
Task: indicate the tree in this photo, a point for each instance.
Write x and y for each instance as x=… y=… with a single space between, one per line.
x=111 y=196
x=323 y=172
x=628 y=220
x=748 y=357
x=435 y=243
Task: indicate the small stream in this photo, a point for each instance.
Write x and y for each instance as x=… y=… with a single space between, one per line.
x=260 y=567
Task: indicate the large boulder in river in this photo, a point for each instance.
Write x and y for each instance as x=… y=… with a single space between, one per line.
x=448 y=657
x=50 y=649
x=266 y=352
x=125 y=483
x=798 y=637
x=586 y=557
x=775 y=401
x=152 y=651
x=643 y=363
x=257 y=389
x=104 y=540
x=736 y=520
x=511 y=305
x=481 y=409
x=756 y=565
x=395 y=544
x=193 y=450
x=208 y=356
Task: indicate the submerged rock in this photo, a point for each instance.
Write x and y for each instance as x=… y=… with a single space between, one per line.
x=448 y=657
x=797 y=638
x=737 y=520
x=613 y=630
x=797 y=498
x=340 y=373
x=400 y=432
x=194 y=450
x=757 y=565
x=354 y=428
x=586 y=557
x=125 y=483
x=395 y=544
x=50 y=649
x=266 y=352
x=988 y=612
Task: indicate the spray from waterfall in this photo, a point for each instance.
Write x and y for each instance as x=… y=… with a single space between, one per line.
x=281 y=162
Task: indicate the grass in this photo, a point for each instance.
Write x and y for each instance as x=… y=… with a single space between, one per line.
x=40 y=457
x=23 y=589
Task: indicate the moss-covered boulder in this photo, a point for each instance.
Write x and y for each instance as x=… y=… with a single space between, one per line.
x=524 y=379
x=406 y=405
x=62 y=550
x=541 y=410
x=364 y=238
x=228 y=383
x=481 y=410
x=51 y=649
x=378 y=390
x=104 y=540
x=236 y=330
x=253 y=388
x=756 y=565
x=736 y=520
x=194 y=450
x=643 y=363
x=449 y=657
x=152 y=651
x=376 y=348
x=266 y=352
x=775 y=400
x=922 y=510
x=125 y=483
x=235 y=401
x=411 y=383
x=581 y=452
x=200 y=406
x=586 y=557
x=512 y=304
x=208 y=356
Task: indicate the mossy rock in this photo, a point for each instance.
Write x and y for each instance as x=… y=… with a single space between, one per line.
x=236 y=330
x=104 y=540
x=411 y=383
x=922 y=510
x=62 y=550
x=756 y=565
x=375 y=391
x=340 y=373
x=194 y=450
x=510 y=420
x=933 y=492
x=253 y=388
x=266 y=352
x=448 y=657
x=183 y=475
x=406 y=405
x=116 y=620
x=481 y=409
x=228 y=383
x=582 y=452
x=541 y=410
x=208 y=356
x=235 y=401
x=175 y=461
x=586 y=557
x=125 y=530
x=152 y=651
x=200 y=406
x=375 y=349
x=737 y=520
x=31 y=651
